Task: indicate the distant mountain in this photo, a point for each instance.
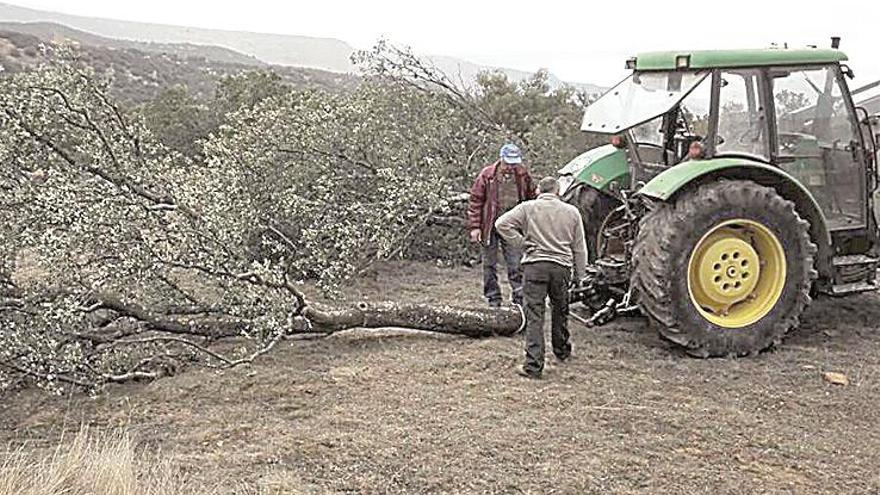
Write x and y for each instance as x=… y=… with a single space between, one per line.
x=467 y=71
x=50 y=31
x=301 y=51
x=142 y=70
x=286 y=50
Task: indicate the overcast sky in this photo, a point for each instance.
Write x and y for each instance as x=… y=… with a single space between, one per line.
x=575 y=40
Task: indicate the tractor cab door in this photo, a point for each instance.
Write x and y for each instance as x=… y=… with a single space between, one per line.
x=742 y=115
x=817 y=141
x=871 y=132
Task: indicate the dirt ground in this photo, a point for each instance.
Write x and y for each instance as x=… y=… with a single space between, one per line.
x=417 y=413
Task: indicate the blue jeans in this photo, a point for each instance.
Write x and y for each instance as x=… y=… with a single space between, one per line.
x=512 y=256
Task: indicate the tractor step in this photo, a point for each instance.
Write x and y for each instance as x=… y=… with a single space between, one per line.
x=853 y=288
x=854 y=260
x=854 y=273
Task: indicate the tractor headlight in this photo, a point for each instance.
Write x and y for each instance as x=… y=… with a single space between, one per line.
x=565 y=182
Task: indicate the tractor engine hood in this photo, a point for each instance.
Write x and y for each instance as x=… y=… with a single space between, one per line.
x=641 y=97
x=578 y=164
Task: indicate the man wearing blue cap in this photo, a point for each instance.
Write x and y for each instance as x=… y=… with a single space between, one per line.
x=499 y=187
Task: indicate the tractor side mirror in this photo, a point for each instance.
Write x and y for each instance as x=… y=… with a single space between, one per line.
x=847 y=71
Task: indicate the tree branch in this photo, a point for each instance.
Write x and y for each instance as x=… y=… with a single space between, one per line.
x=204 y=326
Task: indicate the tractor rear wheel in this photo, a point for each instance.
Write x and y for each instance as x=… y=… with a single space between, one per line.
x=725 y=269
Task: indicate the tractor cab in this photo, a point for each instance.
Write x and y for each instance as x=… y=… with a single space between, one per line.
x=721 y=249
x=789 y=109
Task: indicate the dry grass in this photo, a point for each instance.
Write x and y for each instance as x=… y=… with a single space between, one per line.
x=95 y=462
x=411 y=414
x=89 y=464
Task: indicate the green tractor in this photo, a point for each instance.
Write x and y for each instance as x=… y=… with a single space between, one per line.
x=723 y=248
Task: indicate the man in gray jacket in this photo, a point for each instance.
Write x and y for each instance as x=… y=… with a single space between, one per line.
x=551 y=233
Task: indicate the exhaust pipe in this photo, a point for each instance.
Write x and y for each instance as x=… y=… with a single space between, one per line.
x=835 y=42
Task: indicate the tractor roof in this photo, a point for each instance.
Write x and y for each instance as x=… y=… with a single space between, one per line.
x=710 y=59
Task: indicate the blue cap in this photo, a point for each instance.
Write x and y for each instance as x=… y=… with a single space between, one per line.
x=511 y=154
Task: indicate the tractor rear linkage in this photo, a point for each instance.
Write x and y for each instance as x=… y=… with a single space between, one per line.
x=592 y=289
x=607 y=279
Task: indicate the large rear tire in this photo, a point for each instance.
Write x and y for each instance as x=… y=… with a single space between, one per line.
x=725 y=269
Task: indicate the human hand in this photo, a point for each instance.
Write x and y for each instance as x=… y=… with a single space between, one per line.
x=476 y=236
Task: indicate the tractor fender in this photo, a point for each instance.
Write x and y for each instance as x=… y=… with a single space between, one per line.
x=598 y=168
x=686 y=175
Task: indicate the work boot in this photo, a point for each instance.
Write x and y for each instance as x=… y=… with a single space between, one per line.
x=563 y=357
x=531 y=375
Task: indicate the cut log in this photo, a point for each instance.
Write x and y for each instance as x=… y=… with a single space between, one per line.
x=441 y=318
x=472 y=322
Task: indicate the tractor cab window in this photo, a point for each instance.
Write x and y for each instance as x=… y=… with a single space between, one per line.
x=662 y=113
x=650 y=143
x=664 y=141
x=692 y=120
x=641 y=97
x=818 y=141
x=742 y=128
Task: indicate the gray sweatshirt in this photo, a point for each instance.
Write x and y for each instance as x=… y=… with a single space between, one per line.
x=549 y=230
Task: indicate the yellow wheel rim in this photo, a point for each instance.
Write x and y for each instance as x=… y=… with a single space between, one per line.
x=736 y=273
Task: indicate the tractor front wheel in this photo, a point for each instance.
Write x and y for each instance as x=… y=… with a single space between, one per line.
x=725 y=269
x=595 y=207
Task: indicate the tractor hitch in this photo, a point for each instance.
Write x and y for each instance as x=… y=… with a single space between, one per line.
x=612 y=309
x=602 y=283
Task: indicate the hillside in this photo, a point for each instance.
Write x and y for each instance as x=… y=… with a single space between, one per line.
x=142 y=70
x=284 y=50
x=51 y=31
x=468 y=71
x=302 y=51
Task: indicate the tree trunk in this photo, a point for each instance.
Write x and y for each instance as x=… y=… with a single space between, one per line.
x=472 y=322
x=440 y=318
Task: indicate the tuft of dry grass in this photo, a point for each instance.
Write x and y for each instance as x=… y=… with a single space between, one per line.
x=90 y=463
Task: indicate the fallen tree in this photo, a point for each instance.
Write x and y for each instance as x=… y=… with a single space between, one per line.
x=119 y=325
x=121 y=259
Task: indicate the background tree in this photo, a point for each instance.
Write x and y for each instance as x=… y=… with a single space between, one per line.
x=547 y=121
x=788 y=101
x=180 y=121
x=245 y=90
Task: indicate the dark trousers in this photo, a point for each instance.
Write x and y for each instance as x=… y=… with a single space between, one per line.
x=542 y=279
x=512 y=255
